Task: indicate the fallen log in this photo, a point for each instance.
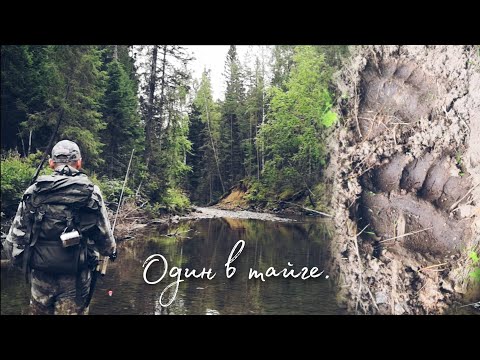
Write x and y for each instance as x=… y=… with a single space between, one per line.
x=308 y=209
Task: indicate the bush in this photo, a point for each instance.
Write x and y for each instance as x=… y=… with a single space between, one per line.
x=475 y=274
x=176 y=201
x=111 y=189
x=16 y=174
x=154 y=188
x=256 y=191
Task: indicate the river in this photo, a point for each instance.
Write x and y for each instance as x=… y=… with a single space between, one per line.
x=207 y=243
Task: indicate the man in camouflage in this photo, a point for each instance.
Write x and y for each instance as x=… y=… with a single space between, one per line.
x=54 y=293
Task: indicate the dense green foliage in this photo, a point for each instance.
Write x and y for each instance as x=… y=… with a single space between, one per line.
x=16 y=173
x=94 y=91
x=271 y=128
x=55 y=81
x=114 y=99
x=122 y=132
x=475 y=273
x=206 y=179
x=294 y=133
x=111 y=189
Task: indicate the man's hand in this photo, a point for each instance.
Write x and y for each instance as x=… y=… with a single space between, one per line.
x=114 y=255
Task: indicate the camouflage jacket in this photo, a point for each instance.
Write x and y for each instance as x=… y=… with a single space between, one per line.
x=101 y=238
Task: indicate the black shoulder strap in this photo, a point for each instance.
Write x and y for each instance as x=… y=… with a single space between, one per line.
x=34 y=227
x=64 y=170
x=67 y=170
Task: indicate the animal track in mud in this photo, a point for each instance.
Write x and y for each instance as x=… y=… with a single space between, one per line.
x=393 y=94
x=409 y=193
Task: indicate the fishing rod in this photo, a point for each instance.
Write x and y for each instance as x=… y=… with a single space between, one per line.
x=105 y=258
x=48 y=149
x=52 y=137
x=102 y=264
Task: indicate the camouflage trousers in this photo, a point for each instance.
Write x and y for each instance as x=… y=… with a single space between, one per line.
x=57 y=294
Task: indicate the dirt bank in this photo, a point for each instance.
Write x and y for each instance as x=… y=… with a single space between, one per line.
x=236 y=199
x=405 y=167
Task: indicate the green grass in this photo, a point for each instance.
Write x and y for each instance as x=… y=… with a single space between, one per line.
x=475 y=274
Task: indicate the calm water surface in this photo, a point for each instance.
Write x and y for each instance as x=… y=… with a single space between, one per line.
x=206 y=244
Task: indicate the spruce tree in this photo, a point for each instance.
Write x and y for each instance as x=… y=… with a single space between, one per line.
x=120 y=113
x=207 y=179
x=195 y=156
x=52 y=82
x=234 y=126
x=282 y=57
x=163 y=106
x=17 y=73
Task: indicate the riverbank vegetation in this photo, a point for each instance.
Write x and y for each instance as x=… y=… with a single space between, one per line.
x=404 y=174
x=269 y=131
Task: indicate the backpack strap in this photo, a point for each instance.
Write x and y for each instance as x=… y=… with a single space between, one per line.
x=34 y=229
x=67 y=170
x=81 y=251
x=64 y=170
x=70 y=221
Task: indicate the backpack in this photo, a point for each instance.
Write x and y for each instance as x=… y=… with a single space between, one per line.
x=59 y=204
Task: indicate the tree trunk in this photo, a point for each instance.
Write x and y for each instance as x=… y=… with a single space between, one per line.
x=30 y=142
x=149 y=125
x=213 y=146
x=231 y=172
x=263 y=122
x=23 y=144
x=162 y=97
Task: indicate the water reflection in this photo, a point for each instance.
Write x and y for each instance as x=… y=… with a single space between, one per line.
x=207 y=244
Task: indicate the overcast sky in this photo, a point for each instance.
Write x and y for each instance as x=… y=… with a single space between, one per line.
x=213 y=57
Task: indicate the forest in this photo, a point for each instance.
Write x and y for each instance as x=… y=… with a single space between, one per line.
x=268 y=132
x=381 y=139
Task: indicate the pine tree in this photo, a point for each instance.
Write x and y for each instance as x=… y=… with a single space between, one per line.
x=175 y=144
x=78 y=88
x=17 y=91
x=120 y=113
x=255 y=110
x=208 y=184
x=233 y=127
x=196 y=155
x=282 y=63
x=163 y=107
x=56 y=81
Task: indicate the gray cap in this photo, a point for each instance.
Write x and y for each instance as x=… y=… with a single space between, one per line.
x=66 y=151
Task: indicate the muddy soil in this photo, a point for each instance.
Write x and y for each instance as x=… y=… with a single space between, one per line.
x=406 y=173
